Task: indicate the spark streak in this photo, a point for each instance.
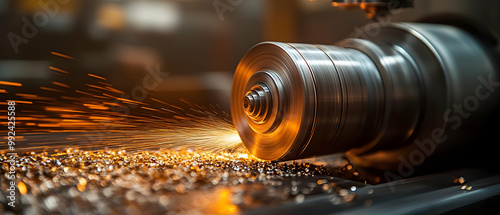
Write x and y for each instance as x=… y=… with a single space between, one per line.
x=85 y=119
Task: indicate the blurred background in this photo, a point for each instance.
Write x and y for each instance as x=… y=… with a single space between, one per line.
x=197 y=42
x=190 y=48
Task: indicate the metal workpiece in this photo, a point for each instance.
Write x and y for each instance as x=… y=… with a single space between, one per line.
x=376 y=92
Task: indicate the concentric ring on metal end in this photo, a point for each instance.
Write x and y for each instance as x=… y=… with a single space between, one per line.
x=272 y=101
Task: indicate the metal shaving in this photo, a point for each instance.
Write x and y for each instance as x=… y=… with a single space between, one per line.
x=160 y=182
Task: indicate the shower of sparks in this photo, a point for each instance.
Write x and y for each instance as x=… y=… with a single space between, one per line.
x=96 y=150
x=100 y=116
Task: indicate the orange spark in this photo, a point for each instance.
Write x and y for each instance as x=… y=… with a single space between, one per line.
x=58 y=70
x=8 y=83
x=96 y=76
x=99 y=118
x=26 y=96
x=55 y=109
x=26 y=118
x=73 y=124
x=48 y=125
x=96 y=107
x=149 y=108
x=130 y=101
x=112 y=104
x=60 y=84
x=104 y=83
x=94 y=86
x=156 y=100
x=89 y=94
x=17 y=137
x=114 y=90
x=69 y=98
x=71 y=115
x=17 y=101
x=62 y=55
x=50 y=89
x=72 y=120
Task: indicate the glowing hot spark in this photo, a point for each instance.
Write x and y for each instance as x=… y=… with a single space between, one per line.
x=60 y=116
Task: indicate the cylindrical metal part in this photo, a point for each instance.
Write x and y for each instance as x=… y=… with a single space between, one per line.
x=377 y=92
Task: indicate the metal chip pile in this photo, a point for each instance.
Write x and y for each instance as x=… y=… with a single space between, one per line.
x=160 y=182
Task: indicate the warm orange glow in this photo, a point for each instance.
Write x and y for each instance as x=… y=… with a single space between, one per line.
x=111 y=103
x=69 y=98
x=104 y=83
x=62 y=55
x=96 y=107
x=18 y=102
x=175 y=107
x=22 y=188
x=17 y=137
x=130 y=101
x=26 y=96
x=72 y=120
x=89 y=94
x=60 y=84
x=8 y=83
x=58 y=70
x=47 y=125
x=114 y=90
x=74 y=124
x=87 y=116
x=223 y=204
x=149 y=108
x=81 y=188
x=26 y=118
x=50 y=89
x=56 y=109
x=82 y=181
x=94 y=86
x=156 y=100
x=96 y=76
x=3 y=91
x=100 y=118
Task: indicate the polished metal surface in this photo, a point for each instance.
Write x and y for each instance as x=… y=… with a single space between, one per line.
x=430 y=194
x=364 y=95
